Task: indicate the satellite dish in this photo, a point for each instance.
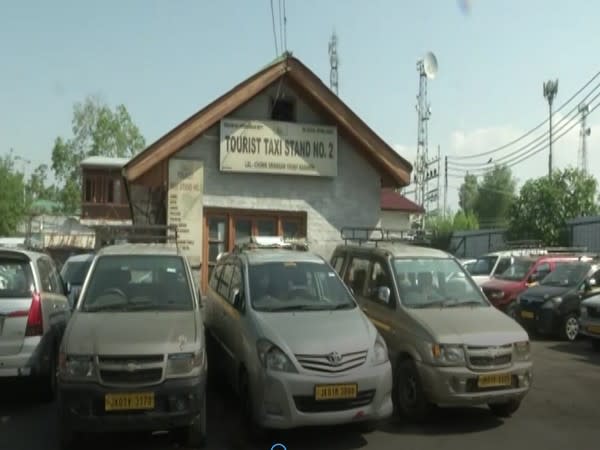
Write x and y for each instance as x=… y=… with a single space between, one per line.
x=430 y=65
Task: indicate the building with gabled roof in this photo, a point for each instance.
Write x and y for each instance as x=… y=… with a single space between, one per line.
x=278 y=154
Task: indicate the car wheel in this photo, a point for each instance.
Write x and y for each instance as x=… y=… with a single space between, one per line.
x=596 y=345
x=570 y=329
x=505 y=409
x=409 y=396
x=49 y=382
x=253 y=431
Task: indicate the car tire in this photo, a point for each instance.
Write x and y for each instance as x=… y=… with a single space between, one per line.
x=49 y=382
x=409 y=397
x=505 y=409
x=570 y=328
x=596 y=345
x=253 y=431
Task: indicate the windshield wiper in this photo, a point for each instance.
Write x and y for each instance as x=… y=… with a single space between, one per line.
x=111 y=307
x=465 y=303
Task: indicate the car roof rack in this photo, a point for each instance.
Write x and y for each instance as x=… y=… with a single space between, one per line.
x=269 y=242
x=136 y=234
x=375 y=235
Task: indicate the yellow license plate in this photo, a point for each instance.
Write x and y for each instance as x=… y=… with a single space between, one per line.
x=129 y=402
x=336 y=391
x=527 y=315
x=494 y=380
x=593 y=329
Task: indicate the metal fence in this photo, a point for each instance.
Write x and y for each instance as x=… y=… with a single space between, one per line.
x=585 y=232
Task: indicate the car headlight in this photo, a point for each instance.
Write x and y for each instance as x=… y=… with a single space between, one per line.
x=76 y=367
x=522 y=350
x=380 y=352
x=273 y=358
x=184 y=363
x=496 y=295
x=448 y=354
x=552 y=303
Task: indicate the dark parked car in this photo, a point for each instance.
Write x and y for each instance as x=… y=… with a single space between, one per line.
x=553 y=306
x=73 y=273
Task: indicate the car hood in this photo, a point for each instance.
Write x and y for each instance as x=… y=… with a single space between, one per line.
x=130 y=333
x=504 y=285
x=470 y=325
x=318 y=332
x=540 y=292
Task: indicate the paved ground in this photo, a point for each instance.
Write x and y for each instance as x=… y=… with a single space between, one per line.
x=561 y=412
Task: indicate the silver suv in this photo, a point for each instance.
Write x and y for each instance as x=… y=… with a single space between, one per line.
x=293 y=342
x=448 y=344
x=34 y=312
x=133 y=355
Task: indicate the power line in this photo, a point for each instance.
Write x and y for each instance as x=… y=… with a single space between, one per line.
x=284 y=28
x=274 y=30
x=280 y=27
x=533 y=130
x=520 y=158
x=527 y=147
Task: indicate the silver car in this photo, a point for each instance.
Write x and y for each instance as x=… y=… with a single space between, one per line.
x=589 y=320
x=133 y=355
x=33 y=315
x=293 y=343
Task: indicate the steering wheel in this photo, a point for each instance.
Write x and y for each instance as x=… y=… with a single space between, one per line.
x=115 y=291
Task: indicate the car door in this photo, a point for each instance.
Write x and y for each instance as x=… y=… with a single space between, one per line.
x=55 y=305
x=233 y=337
x=223 y=309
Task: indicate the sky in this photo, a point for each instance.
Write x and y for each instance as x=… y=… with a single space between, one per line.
x=165 y=60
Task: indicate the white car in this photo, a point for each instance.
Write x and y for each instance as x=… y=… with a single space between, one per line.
x=589 y=320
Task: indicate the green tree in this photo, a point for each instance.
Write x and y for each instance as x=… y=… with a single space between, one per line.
x=467 y=195
x=442 y=228
x=545 y=205
x=97 y=131
x=465 y=221
x=496 y=193
x=12 y=201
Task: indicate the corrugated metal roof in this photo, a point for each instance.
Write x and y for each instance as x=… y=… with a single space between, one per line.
x=104 y=161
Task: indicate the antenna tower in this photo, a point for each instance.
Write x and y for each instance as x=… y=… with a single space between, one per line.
x=585 y=131
x=426 y=169
x=333 y=61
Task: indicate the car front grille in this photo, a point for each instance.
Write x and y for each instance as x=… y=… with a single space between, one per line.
x=327 y=364
x=308 y=404
x=123 y=370
x=489 y=357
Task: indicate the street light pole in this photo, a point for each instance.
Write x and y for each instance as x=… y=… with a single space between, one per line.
x=550 y=91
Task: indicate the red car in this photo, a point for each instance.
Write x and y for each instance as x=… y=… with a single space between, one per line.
x=503 y=289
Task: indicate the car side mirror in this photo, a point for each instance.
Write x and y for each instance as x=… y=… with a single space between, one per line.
x=68 y=287
x=237 y=299
x=532 y=278
x=590 y=283
x=384 y=294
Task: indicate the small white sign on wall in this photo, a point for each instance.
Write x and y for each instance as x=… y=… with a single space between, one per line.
x=184 y=209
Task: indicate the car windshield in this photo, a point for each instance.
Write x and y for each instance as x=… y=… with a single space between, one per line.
x=435 y=282
x=138 y=283
x=16 y=280
x=566 y=275
x=74 y=272
x=483 y=265
x=297 y=286
x=517 y=271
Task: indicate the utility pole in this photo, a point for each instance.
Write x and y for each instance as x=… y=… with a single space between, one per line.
x=445 y=185
x=333 y=62
x=584 y=133
x=550 y=91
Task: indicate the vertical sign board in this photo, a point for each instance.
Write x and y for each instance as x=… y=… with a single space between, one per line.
x=186 y=185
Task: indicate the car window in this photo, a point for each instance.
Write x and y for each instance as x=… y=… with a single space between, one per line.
x=45 y=272
x=337 y=263
x=483 y=265
x=214 y=277
x=517 y=270
x=16 y=279
x=379 y=277
x=74 y=272
x=225 y=281
x=429 y=282
x=356 y=274
x=542 y=270
x=55 y=280
x=296 y=286
x=138 y=283
x=503 y=265
x=236 y=281
x=566 y=275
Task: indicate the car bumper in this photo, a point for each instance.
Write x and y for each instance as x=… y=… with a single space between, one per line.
x=27 y=362
x=542 y=320
x=589 y=327
x=287 y=400
x=458 y=386
x=177 y=403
